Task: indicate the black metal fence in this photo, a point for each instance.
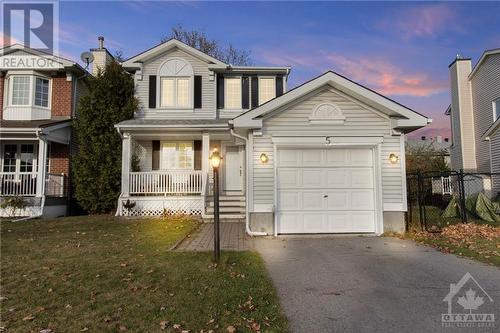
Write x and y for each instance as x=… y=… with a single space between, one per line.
x=438 y=199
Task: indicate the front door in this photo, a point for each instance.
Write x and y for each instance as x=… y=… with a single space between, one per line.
x=234 y=168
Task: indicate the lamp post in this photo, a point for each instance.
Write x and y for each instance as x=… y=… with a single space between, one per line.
x=215 y=160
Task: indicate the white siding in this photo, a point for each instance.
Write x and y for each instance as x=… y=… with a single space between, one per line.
x=485 y=89
x=294 y=121
x=495 y=160
x=199 y=67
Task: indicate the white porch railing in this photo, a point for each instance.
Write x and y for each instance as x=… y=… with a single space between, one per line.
x=166 y=182
x=446 y=185
x=23 y=183
x=54 y=185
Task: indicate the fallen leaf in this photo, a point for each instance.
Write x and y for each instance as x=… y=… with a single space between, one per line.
x=29 y=317
x=85 y=329
x=46 y=330
x=164 y=324
x=231 y=329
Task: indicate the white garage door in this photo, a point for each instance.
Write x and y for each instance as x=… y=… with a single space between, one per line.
x=325 y=191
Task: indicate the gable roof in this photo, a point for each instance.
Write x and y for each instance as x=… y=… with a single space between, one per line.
x=158 y=49
x=63 y=62
x=481 y=60
x=404 y=116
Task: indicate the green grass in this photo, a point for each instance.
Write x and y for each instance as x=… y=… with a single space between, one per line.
x=103 y=274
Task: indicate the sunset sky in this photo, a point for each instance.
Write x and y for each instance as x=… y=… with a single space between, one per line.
x=399 y=49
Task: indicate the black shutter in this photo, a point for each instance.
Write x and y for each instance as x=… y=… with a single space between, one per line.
x=197 y=154
x=152 y=91
x=279 y=85
x=155 y=165
x=197 y=91
x=220 y=92
x=255 y=91
x=245 y=96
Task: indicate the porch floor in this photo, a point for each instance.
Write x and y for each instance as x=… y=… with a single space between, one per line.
x=232 y=234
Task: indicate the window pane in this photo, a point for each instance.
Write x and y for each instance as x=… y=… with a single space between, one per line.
x=42 y=92
x=20 y=90
x=27 y=157
x=497 y=108
x=267 y=90
x=232 y=93
x=183 y=92
x=9 y=158
x=167 y=92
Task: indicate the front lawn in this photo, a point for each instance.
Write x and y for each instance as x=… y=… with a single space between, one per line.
x=104 y=274
x=480 y=242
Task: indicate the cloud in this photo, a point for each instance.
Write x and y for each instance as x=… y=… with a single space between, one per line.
x=382 y=76
x=4 y=38
x=421 y=21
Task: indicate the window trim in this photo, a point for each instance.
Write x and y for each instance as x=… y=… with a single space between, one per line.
x=260 y=86
x=18 y=171
x=31 y=93
x=239 y=78
x=177 y=143
x=175 y=106
x=496 y=111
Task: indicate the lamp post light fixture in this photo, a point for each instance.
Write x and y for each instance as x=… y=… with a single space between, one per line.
x=215 y=160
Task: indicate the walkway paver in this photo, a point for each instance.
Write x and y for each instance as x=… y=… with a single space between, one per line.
x=232 y=235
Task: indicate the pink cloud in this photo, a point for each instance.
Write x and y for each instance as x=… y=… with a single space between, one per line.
x=4 y=38
x=421 y=21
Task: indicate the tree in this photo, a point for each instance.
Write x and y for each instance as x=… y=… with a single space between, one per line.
x=212 y=47
x=424 y=157
x=97 y=162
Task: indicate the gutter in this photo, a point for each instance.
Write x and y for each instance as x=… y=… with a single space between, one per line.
x=247 y=213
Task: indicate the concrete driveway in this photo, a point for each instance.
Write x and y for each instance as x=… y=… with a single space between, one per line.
x=368 y=284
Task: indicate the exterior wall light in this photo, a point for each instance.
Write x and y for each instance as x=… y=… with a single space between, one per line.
x=264 y=158
x=393 y=158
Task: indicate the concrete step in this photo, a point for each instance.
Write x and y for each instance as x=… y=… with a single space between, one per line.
x=225 y=217
x=241 y=210
x=228 y=204
x=227 y=198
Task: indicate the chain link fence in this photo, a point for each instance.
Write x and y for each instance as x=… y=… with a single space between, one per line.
x=439 y=199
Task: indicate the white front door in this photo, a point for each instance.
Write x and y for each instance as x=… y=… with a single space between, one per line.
x=233 y=161
x=326 y=191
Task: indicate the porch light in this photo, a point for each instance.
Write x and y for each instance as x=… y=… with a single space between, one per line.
x=393 y=158
x=215 y=159
x=264 y=158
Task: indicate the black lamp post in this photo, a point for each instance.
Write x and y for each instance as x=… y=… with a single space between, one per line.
x=215 y=160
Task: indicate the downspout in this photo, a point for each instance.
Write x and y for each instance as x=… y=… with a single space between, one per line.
x=119 y=208
x=247 y=182
x=42 y=203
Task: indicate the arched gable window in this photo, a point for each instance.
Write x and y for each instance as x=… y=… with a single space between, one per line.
x=327 y=113
x=176 y=84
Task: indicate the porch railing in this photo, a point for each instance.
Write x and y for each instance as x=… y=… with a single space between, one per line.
x=166 y=182
x=18 y=183
x=54 y=185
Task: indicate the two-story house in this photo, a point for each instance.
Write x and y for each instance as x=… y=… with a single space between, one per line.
x=475 y=114
x=38 y=96
x=325 y=157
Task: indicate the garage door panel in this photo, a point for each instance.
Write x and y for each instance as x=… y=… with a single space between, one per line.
x=311 y=157
x=312 y=178
x=362 y=200
x=362 y=178
x=291 y=223
x=289 y=200
x=338 y=200
x=312 y=200
x=350 y=222
x=288 y=157
x=338 y=178
x=361 y=157
x=288 y=178
x=337 y=157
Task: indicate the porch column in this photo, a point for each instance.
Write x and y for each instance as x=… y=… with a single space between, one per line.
x=42 y=165
x=205 y=154
x=126 y=158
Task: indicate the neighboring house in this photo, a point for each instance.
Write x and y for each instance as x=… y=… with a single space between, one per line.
x=314 y=159
x=38 y=96
x=475 y=113
x=438 y=144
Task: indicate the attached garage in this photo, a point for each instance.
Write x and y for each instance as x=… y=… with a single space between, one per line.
x=325 y=190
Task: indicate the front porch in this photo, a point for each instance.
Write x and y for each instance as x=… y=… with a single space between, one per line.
x=168 y=172
x=34 y=165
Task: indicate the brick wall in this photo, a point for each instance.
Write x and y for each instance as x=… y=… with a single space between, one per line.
x=59 y=162
x=61 y=96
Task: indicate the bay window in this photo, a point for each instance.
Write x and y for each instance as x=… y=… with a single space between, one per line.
x=41 y=92
x=267 y=89
x=29 y=90
x=175 y=92
x=232 y=93
x=20 y=90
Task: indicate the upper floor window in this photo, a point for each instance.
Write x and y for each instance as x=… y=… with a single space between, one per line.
x=496 y=109
x=27 y=90
x=176 y=84
x=232 y=93
x=267 y=89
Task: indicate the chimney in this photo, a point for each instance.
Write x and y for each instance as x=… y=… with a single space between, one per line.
x=462 y=118
x=446 y=140
x=423 y=138
x=439 y=139
x=101 y=57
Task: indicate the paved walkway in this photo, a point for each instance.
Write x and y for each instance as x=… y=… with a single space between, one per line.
x=232 y=235
x=371 y=284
